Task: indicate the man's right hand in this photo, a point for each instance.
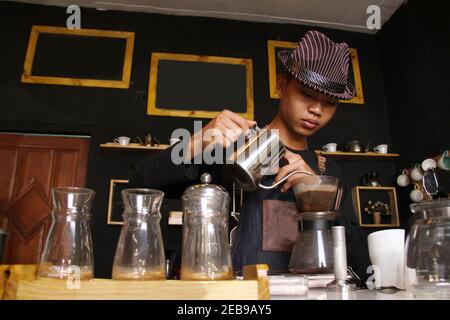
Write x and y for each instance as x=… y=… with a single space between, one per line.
x=226 y=127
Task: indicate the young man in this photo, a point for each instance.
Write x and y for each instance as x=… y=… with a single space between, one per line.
x=316 y=77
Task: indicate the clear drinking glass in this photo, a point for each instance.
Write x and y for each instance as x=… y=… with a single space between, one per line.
x=427 y=272
x=140 y=250
x=206 y=253
x=68 y=248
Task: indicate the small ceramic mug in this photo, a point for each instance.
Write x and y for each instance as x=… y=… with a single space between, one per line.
x=403 y=179
x=330 y=147
x=123 y=141
x=444 y=161
x=416 y=195
x=382 y=148
x=428 y=164
x=417 y=173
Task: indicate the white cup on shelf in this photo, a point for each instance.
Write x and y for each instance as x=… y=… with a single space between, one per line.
x=382 y=148
x=123 y=141
x=330 y=147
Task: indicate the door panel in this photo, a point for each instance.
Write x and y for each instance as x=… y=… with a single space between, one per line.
x=31 y=166
x=65 y=168
x=34 y=163
x=8 y=164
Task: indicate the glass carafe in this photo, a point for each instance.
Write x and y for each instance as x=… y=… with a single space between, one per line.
x=206 y=253
x=313 y=250
x=68 y=248
x=427 y=272
x=140 y=250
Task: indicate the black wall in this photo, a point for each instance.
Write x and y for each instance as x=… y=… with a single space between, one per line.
x=107 y=113
x=415 y=51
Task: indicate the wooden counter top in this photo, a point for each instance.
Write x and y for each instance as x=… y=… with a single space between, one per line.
x=20 y=282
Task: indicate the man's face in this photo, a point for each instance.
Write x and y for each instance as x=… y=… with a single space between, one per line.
x=303 y=110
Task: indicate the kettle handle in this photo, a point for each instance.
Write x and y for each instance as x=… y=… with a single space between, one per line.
x=284 y=179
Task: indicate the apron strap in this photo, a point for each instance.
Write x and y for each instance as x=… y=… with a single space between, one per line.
x=321 y=162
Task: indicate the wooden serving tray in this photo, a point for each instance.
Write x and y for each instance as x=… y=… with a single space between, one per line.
x=20 y=282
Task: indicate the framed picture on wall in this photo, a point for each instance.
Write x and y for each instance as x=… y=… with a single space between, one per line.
x=273 y=47
x=115 y=203
x=376 y=206
x=79 y=57
x=198 y=86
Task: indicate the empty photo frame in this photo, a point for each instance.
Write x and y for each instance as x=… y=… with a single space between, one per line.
x=115 y=203
x=79 y=57
x=198 y=86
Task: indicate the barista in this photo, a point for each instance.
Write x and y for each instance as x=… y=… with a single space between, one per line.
x=315 y=78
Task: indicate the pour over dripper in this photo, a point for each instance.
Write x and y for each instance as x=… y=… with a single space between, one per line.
x=316 y=193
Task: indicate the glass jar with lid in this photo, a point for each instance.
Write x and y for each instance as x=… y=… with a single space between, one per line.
x=427 y=270
x=205 y=251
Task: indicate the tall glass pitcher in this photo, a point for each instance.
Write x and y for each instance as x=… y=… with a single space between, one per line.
x=140 y=250
x=68 y=248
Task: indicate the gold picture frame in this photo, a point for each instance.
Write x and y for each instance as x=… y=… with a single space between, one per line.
x=114 y=194
x=152 y=109
x=357 y=195
x=36 y=30
x=271 y=49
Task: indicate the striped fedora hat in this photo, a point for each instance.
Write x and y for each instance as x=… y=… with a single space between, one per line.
x=320 y=64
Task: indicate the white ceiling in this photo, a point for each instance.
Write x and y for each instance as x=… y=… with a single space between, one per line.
x=336 y=14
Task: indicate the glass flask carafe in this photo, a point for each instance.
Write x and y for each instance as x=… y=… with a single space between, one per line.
x=206 y=253
x=140 y=250
x=313 y=250
x=68 y=248
x=427 y=270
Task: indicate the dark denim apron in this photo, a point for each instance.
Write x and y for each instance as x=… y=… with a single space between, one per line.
x=248 y=246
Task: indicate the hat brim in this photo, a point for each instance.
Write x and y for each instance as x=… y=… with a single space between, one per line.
x=285 y=57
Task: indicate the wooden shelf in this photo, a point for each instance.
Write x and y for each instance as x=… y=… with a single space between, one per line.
x=356 y=155
x=20 y=282
x=133 y=146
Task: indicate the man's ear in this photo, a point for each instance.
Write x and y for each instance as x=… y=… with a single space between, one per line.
x=282 y=82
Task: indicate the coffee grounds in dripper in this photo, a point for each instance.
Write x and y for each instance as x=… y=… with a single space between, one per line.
x=315 y=197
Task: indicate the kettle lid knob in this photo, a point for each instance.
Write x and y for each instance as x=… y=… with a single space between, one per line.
x=206 y=178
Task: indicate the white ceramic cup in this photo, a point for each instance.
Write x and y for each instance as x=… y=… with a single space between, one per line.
x=123 y=141
x=173 y=141
x=416 y=195
x=429 y=164
x=403 y=179
x=330 y=147
x=417 y=173
x=444 y=161
x=382 y=148
x=387 y=254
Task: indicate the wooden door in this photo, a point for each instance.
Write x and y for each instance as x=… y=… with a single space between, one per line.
x=30 y=166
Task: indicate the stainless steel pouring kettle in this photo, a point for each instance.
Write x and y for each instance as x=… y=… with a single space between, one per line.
x=257 y=157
